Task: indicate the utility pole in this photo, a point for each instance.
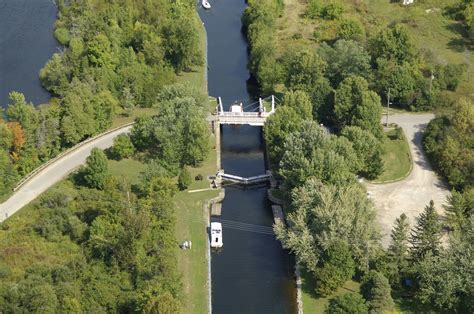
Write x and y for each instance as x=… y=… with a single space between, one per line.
x=388 y=107
x=431 y=80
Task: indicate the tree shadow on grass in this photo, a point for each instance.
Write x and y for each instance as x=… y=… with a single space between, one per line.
x=308 y=284
x=460 y=44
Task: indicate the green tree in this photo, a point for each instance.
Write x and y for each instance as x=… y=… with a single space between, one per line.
x=78 y=113
x=404 y=80
x=310 y=151
x=346 y=58
x=367 y=148
x=348 y=303
x=99 y=52
x=300 y=102
x=6 y=137
x=356 y=105
x=276 y=129
x=95 y=173
x=123 y=147
x=142 y=133
x=376 y=291
x=22 y=112
x=55 y=75
x=398 y=248
x=459 y=208
x=425 y=236
x=324 y=214
x=303 y=68
x=184 y=179
x=337 y=267
x=350 y=29
x=7 y=173
x=182 y=45
x=393 y=43
x=105 y=106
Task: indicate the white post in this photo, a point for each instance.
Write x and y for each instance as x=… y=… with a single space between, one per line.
x=273 y=103
x=260 y=109
x=220 y=105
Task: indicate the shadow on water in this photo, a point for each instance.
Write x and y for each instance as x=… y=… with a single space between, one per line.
x=251 y=273
x=26 y=44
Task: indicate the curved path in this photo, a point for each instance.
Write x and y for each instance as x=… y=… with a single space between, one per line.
x=56 y=171
x=413 y=193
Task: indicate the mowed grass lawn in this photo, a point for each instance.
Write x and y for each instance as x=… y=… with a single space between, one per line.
x=191 y=224
x=396 y=158
x=314 y=304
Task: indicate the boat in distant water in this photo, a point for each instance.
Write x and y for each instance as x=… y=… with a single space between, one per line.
x=205 y=4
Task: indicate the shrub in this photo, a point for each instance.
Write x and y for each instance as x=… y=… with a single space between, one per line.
x=349 y=303
x=314 y=9
x=123 y=147
x=184 y=179
x=332 y=11
x=376 y=290
x=350 y=29
x=62 y=35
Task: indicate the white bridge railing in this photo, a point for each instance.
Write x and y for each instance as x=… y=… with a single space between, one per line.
x=244 y=180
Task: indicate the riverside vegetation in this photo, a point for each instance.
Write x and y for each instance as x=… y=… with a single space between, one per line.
x=117 y=57
x=98 y=241
x=333 y=63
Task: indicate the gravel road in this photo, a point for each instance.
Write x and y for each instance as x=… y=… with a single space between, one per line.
x=412 y=194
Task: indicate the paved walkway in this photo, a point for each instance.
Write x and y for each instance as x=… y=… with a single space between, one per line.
x=412 y=194
x=54 y=173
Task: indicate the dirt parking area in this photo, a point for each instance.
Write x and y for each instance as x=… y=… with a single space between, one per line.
x=413 y=193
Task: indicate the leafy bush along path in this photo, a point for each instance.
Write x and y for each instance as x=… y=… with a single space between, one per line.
x=410 y=195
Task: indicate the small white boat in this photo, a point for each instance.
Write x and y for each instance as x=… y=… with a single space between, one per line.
x=216 y=235
x=205 y=4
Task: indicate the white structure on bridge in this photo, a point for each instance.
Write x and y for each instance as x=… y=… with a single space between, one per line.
x=238 y=115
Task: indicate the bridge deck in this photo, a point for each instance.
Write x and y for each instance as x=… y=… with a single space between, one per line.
x=251 y=118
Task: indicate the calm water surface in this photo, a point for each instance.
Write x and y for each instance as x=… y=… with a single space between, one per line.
x=251 y=274
x=26 y=44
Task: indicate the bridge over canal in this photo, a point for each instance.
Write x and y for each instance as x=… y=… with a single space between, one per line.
x=244 y=180
x=254 y=114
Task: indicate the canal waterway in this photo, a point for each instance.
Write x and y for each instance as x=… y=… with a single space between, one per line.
x=252 y=273
x=26 y=44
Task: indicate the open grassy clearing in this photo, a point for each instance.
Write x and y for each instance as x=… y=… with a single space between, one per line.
x=396 y=158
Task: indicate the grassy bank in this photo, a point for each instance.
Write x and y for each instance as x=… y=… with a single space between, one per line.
x=192 y=225
x=396 y=158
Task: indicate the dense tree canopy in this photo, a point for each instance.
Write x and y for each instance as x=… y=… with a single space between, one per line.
x=179 y=134
x=356 y=105
x=324 y=214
